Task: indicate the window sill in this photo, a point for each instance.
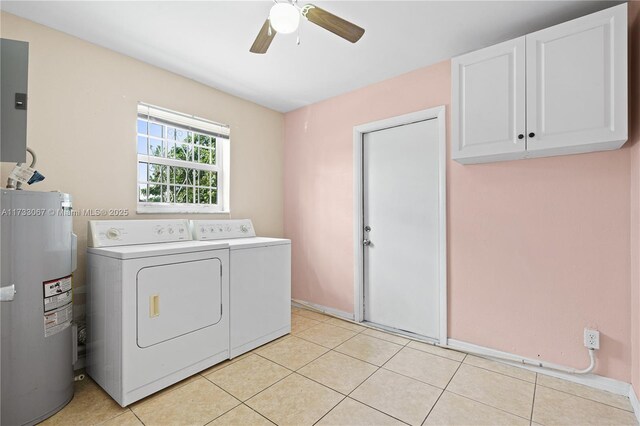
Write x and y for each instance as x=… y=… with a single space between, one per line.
x=154 y=209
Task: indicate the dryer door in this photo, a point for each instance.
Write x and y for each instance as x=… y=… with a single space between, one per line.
x=177 y=299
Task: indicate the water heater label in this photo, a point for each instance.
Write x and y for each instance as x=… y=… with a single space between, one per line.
x=55 y=287
x=58 y=320
x=58 y=309
x=54 y=302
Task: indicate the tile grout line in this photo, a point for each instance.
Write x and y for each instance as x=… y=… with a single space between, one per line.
x=393 y=356
x=438 y=356
x=335 y=390
x=139 y=419
x=443 y=390
x=365 y=328
x=461 y=362
x=353 y=357
x=384 y=340
x=533 y=403
x=289 y=372
x=498 y=372
x=330 y=410
x=416 y=379
x=327 y=347
x=258 y=413
x=289 y=368
x=107 y=419
x=409 y=340
x=587 y=399
x=345 y=396
x=346 y=328
x=242 y=402
x=166 y=390
x=369 y=406
x=365 y=404
x=584 y=397
x=360 y=384
x=258 y=393
x=222 y=414
x=480 y=402
x=304 y=316
x=335 y=349
x=434 y=354
x=377 y=369
x=487 y=405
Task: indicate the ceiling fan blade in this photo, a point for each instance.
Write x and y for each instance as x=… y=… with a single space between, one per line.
x=333 y=23
x=264 y=38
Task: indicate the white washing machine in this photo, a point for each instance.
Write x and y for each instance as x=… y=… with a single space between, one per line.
x=260 y=282
x=157 y=305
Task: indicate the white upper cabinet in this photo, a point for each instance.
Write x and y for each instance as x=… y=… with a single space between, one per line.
x=572 y=100
x=488 y=114
x=577 y=85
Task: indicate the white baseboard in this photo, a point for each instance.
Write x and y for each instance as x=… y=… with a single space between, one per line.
x=323 y=309
x=592 y=380
x=635 y=403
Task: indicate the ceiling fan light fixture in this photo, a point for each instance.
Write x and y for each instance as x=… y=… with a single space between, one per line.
x=284 y=18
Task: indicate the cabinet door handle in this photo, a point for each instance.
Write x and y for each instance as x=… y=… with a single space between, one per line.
x=531 y=134
x=520 y=136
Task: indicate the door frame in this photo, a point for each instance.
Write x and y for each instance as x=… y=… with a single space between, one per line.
x=437 y=113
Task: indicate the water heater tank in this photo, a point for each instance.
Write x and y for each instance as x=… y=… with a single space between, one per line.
x=38 y=256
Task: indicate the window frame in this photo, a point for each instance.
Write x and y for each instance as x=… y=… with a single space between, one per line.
x=189 y=123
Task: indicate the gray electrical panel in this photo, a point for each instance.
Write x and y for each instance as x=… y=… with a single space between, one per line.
x=14 y=68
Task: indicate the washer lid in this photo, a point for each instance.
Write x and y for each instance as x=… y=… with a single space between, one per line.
x=252 y=242
x=159 y=249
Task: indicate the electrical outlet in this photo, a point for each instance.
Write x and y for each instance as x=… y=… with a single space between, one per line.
x=591 y=339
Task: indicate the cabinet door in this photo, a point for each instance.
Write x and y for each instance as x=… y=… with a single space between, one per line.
x=488 y=102
x=577 y=84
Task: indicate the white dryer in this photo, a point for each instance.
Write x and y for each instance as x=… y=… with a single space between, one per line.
x=260 y=282
x=157 y=305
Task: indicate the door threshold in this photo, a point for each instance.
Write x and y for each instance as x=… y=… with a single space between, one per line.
x=402 y=333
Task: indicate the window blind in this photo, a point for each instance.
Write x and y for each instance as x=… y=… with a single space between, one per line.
x=190 y=122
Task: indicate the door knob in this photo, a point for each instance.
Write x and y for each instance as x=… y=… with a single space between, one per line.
x=366 y=243
x=531 y=134
x=520 y=136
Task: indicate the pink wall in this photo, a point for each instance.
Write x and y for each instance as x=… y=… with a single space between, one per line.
x=319 y=178
x=538 y=249
x=634 y=143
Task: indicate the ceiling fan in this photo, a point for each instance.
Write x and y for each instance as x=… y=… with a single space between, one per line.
x=284 y=18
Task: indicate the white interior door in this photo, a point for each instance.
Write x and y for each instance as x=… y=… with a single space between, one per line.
x=401 y=250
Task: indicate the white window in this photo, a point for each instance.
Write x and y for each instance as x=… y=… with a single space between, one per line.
x=183 y=163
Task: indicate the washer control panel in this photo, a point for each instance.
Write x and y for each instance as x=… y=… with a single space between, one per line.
x=203 y=230
x=109 y=233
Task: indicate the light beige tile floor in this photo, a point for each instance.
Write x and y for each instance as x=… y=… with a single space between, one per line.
x=333 y=372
